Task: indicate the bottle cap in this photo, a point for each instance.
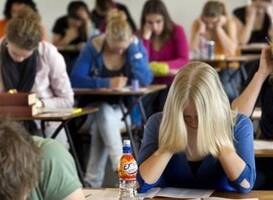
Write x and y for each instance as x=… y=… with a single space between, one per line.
x=126 y=146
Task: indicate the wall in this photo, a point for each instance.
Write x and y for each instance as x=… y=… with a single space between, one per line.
x=182 y=11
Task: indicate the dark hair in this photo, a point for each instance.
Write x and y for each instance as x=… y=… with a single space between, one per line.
x=104 y=5
x=74 y=6
x=20 y=161
x=25 y=30
x=158 y=7
x=214 y=9
x=9 y=3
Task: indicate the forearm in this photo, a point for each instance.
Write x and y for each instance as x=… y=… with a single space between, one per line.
x=195 y=41
x=62 y=42
x=246 y=101
x=245 y=33
x=152 y=168
x=232 y=164
x=226 y=41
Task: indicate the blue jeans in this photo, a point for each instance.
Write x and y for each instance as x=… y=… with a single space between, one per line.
x=106 y=141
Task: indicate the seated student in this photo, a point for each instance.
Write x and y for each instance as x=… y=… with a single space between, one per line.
x=198 y=141
x=72 y=30
x=215 y=24
x=35 y=168
x=110 y=60
x=12 y=7
x=28 y=64
x=165 y=42
x=260 y=85
x=254 y=21
x=102 y=7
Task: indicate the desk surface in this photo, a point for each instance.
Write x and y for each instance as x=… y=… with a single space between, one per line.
x=242 y=58
x=95 y=194
x=54 y=116
x=254 y=47
x=120 y=92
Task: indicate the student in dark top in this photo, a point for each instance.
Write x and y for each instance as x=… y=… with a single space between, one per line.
x=261 y=84
x=102 y=7
x=254 y=21
x=72 y=30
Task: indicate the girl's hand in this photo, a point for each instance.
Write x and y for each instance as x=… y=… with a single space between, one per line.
x=147 y=32
x=266 y=62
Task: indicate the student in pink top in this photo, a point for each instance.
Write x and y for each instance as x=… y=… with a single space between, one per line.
x=166 y=44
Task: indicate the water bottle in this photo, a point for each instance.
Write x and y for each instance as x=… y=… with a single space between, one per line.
x=127 y=174
x=203 y=47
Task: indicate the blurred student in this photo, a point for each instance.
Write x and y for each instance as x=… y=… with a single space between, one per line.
x=110 y=60
x=216 y=25
x=28 y=64
x=166 y=44
x=35 y=168
x=254 y=21
x=102 y=8
x=198 y=141
x=12 y=7
x=70 y=32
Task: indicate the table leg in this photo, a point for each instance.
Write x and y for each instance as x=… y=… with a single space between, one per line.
x=43 y=128
x=142 y=110
x=64 y=125
x=73 y=151
x=128 y=128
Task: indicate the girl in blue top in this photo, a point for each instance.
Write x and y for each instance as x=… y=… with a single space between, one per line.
x=109 y=61
x=198 y=141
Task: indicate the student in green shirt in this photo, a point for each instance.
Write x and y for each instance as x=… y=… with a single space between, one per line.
x=35 y=168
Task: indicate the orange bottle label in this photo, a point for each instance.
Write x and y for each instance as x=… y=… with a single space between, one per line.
x=128 y=168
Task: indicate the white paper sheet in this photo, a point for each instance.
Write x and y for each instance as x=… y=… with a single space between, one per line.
x=177 y=193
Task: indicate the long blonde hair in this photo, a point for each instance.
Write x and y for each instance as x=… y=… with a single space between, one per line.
x=117 y=28
x=197 y=83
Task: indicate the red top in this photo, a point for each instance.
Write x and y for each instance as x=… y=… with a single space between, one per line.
x=175 y=52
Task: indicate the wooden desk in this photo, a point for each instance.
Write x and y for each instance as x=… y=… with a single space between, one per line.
x=229 y=59
x=263 y=149
x=261 y=195
x=119 y=92
x=112 y=194
x=64 y=119
x=254 y=48
x=121 y=95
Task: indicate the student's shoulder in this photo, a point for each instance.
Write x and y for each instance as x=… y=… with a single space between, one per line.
x=154 y=121
x=46 y=47
x=62 y=19
x=243 y=126
x=96 y=43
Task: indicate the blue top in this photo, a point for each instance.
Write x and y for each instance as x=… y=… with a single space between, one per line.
x=210 y=174
x=87 y=72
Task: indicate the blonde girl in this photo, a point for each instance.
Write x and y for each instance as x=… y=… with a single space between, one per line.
x=198 y=141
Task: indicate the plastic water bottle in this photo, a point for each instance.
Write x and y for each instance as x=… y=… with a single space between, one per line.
x=203 y=47
x=127 y=174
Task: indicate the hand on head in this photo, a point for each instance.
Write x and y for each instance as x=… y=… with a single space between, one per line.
x=222 y=20
x=266 y=61
x=71 y=33
x=147 y=31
